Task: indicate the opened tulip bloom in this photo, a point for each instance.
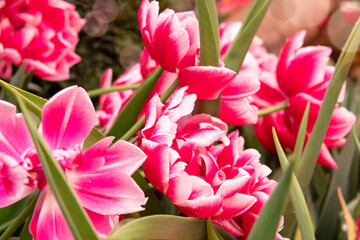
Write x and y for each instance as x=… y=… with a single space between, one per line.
x=302 y=76
x=30 y=33
x=100 y=176
x=224 y=182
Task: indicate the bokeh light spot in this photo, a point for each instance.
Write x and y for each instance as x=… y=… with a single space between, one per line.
x=351 y=15
x=93 y=26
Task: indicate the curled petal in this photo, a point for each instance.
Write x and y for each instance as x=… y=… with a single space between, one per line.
x=157 y=166
x=206 y=81
x=67 y=118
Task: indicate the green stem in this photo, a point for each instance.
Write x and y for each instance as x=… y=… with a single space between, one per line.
x=140 y=123
x=99 y=91
x=20 y=219
x=272 y=109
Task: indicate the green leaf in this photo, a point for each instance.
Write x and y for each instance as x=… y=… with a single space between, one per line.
x=356 y=138
x=16 y=223
x=328 y=220
x=164 y=227
x=9 y=213
x=300 y=139
x=153 y=205
x=297 y=198
x=75 y=215
x=266 y=225
x=132 y=109
x=25 y=233
x=19 y=79
x=209 y=33
x=94 y=136
x=99 y=91
x=235 y=55
x=304 y=170
x=211 y=231
x=33 y=102
x=289 y=217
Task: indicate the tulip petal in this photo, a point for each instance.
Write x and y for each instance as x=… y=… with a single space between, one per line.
x=47 y=221
x=206 y=81
x=15 y=138
x=67 y=118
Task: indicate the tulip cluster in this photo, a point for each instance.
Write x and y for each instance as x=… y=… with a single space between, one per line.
x=192 y=159
x=224 y=181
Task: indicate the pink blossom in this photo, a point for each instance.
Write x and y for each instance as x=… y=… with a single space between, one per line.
x=100 y=176
x=30 y=33
x=166 y=39
x=302 y=76
x=171 y=39
x=224 y=181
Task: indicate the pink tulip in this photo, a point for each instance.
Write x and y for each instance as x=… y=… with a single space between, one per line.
x=31 y=34
x=224 y=181
x=166 y=40
x=100 y=176
x=302 y=76
x=171 y=39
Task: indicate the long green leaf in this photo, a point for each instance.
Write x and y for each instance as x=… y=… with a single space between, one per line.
x=164 y=227
x=132 y=109
x=328 y=220
x=33 y=102
x=99 y=91
x=297 y=198
x=356 y=138
x=266 y=225
x=300 y=139
x=209 y=33
x=289 y=217
x=75 y=215
x=25 y=233
x=211 y=231
x=236 y=53
x=304 y=170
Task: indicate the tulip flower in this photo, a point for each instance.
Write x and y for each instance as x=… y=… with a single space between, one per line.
x=171 y=39
x=100 y=176
x=302 y=77
x=31 y=34
x=224 y=182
